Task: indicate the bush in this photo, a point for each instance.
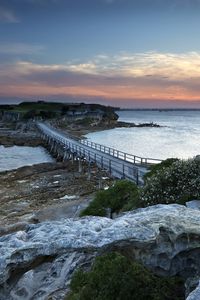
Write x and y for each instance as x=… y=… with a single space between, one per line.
x=172 y=181
x=98 y=206
x=114 y=199
x=114 y=277
x=86 y=121
x=180 y=182
x=158 y=167
x=31 y=114
x=47 y=114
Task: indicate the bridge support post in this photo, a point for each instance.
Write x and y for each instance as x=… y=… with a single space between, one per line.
x=102 y=162
x=64 y=155
x=52 y=146
x=137 y=177
x=80 y=169
x=123 y=172
x=68 y=155
x=100 y=180
x=72 y=157
x=89 y=171
x=58 y=152
x=110 y=168
x=56 y=147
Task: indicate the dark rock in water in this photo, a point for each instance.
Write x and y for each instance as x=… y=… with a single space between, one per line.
x=151 y=124
x=38 y=261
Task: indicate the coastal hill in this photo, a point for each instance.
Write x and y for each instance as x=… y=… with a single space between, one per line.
x=49 y=110
x=79 y=118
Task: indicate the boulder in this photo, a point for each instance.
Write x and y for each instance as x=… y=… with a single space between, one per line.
x=38 y=261
x=194 y=204
x=195 y=295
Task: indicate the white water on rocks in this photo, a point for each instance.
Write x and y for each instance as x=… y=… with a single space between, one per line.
x=180 y=136
x=18 y=156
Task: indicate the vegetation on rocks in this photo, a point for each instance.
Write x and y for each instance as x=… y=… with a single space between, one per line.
x=177 y=183
x=31 y=114
x=172 y=181
x=122 y=194
x=159 y=167
x=115 y=277
x=49 y=110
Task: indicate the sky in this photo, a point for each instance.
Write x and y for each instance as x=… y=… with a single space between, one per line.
x=127 y=53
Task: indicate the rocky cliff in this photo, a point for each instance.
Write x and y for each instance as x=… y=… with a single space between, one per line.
x=38 y=261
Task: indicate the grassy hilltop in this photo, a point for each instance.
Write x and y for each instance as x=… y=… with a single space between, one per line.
x=55 y=109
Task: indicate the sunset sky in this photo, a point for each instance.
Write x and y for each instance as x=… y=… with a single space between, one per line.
x=129 y=53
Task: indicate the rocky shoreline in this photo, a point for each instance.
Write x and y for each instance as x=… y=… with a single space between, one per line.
x=79 y=131
x=44 y=191
x=19 y=134
x=25 y=134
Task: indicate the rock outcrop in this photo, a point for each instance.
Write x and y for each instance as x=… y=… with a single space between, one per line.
x=195 y=295
x=38 y=261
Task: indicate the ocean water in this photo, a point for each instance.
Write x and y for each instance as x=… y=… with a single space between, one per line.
x=179 y=137
x=17 y=156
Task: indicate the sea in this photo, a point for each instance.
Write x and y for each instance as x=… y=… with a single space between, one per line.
x=178 y=136
x=17 y=156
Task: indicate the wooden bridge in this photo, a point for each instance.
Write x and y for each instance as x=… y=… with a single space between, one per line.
x=119 y=164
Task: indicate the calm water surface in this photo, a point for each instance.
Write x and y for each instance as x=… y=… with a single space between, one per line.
x=17 y=156
x=180 y=136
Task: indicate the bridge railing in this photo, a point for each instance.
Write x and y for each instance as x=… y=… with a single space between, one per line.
x=118 y=168
x=134 y=159
x=120 y=154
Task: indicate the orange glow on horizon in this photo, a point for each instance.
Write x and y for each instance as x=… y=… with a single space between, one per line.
x=109 y=92
x=123 y=77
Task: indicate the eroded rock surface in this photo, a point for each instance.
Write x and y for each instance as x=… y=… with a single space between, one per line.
x=195 y=295
x=165 y=238
x=47 y=191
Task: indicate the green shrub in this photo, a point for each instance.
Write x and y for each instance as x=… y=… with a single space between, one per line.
x=98 y=206
x=172 y=181
x=177 y=183
x=113 y=199
x=158 y=167
x=31 y=114
x=114 y=277
x=45 y=114
x=86 y=121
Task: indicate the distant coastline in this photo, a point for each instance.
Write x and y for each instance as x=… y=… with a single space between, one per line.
x=159 y=109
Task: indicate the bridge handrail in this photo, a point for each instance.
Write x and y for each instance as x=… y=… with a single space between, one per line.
x=134 y=159
x=120 y=154
x=78 y=146
x=124 y=168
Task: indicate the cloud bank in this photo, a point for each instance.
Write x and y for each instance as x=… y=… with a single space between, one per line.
x=150 y=75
